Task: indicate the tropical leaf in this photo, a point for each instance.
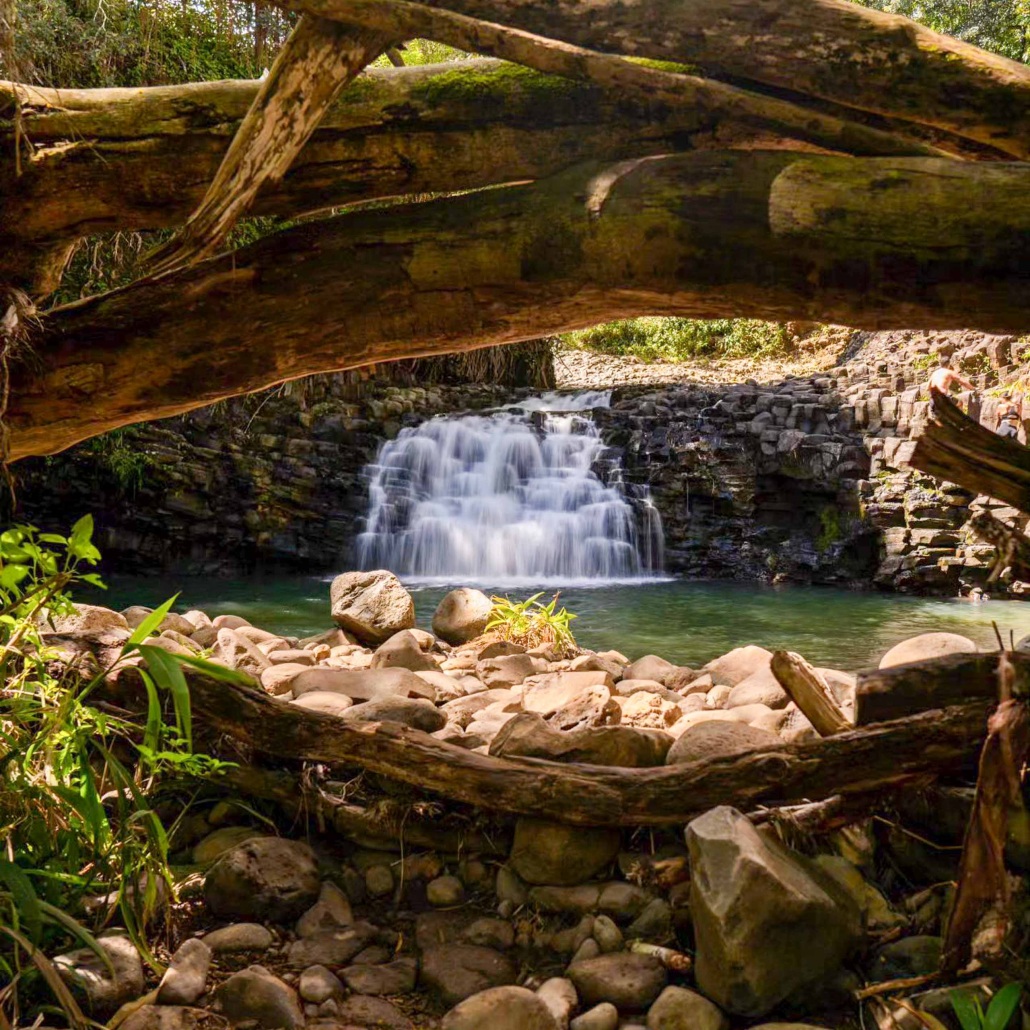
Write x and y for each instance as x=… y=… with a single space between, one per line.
x=1002 y=1006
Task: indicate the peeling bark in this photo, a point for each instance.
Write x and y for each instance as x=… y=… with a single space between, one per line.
x=872 y=242
x=830 y=49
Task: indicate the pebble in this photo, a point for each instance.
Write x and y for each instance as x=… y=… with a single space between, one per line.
x=607 y=935
x=239 y=937
x=186 y=977
x=318 y=984
x=445 y=892
x=379 y=881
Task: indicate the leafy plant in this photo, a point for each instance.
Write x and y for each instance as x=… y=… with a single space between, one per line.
x=78 y=778
x=1000 y=1010
x=532 y=623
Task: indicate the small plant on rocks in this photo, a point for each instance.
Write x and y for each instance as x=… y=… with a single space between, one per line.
x=533 y=623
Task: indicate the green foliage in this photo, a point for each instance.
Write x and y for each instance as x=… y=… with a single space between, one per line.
x=684 y=339
x=532 y=623
x=830 y=529
x=119 y=452
x=1002 y=1006
x=1000 y=26
x=78 y=779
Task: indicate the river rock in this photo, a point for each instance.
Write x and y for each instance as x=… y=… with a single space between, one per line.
x=239 y=937
x=185 y=978
x=552 y=853
x=653 y=924
x=255 y=997
x=765 y=925
x=462 y=710
x=89 y=620
x=682 y=680
x=409 y=711
x=508 y=670
x=362 y=684
x=265 y=878
x=501 y=1008
x=597 y=663
x=330 y=947
x=165 y=1017
x=106 y=986
x=278 y=677
x=332 y=910
x=462 y=615
x=362 y=1010
x=650 y=667
x=547 y=694
x=457 y=971
x=402 y=651
x=445 y=891
x=716 y=738
x=607 y=934
x=318 y=984
x=735 y=666
x=233 y=651
x=629 y=981
x=678 y=1008
x=760 y=688
x=218 y=842
x=292 y=656
x=909 y=957
x=325 y=701
x=601 y=1017
x=927 y=645
x=560 y=997
x=646 y=710
x=371 y=605
x=593 y=707
x=390 y=978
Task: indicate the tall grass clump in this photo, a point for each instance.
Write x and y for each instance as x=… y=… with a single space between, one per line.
x=532 y=623
x=684 y=339
x=81 y=845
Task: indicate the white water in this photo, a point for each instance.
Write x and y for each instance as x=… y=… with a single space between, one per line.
x=508 y=498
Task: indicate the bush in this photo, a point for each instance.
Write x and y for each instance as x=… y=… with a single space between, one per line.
x=683 y=339
x=533 y=624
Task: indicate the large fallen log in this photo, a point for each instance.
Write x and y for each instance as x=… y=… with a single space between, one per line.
x=957 y=448
x=771 y=235
x=831 y=49
x=858 y=762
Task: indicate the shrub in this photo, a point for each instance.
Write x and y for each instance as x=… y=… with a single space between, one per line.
x=532 y=623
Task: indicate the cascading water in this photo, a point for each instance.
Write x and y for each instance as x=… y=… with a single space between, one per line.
x=509 y=497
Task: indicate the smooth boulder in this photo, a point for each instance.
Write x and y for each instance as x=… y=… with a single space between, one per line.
x=553 y=853
x=717 y=738
x=927 y=645
x=628 y=981
x=462 y=615
x=371 y=606
x=415 y=712
x=501 y=1008
x=766 y=922
x=402 y=651
x=735 y=666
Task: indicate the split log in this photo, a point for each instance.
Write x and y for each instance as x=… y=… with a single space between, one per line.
x=810 y=692
x=766 y=235
x=318 y=59
x=858 y=762
x=830 y=49
x=903 y=690
x=957 y=448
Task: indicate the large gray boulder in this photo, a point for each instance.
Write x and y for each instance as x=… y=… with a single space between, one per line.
x=927 y=645
x=462 y=615
x=371 y=605
x=553 y=853
x=766 y=921
x=266 y=878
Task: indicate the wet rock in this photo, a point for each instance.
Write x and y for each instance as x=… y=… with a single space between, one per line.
x=235 y=652
x=360 y=1010
x=704 y=741
x=630 y=982
x=927 y=645
x=318 y=984
x=650 y=667
x=330 y=947
x=371 y=606
x=462 y=615
x=750 y=953
x=402 y=651
x=677 y=1008
x=362 y=684
x=735 y=666
x=186 y=977
x=445 y=891
x=601 y=1017
x=457 y=971
x=415 y=712
x=257 y=998
x=105 y=986
x=265 y=878
x=501 y=1008
x=332 y=910
x=552 y=853
x=239 y=937
x=561 y=999
x=508 y=670
x=391 y=978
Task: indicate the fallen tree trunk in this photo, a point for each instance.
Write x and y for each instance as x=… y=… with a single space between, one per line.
x=849 y=763
x=767 y=235
x=957 y=448
x=831 y=49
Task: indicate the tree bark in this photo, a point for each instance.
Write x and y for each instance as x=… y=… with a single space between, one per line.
x=850 y=763
x=810 y=692
x=318 y=60
x=958 y=449
x=830 y=49
x=872 y=243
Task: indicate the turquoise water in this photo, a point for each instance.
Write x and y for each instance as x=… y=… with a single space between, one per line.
x=685 y=622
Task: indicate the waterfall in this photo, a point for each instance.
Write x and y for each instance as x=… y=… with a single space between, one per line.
x=529 y=494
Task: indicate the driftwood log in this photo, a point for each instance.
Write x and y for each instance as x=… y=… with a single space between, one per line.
x=858 y=762
x=810 y=692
